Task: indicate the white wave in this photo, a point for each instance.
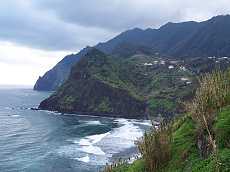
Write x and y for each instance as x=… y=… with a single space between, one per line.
x=74 y=152
x=93 y=123
x=128 y=131
x=92 y=150
x=144 y=122
x=96 y=138
x=83 y=142
x=88 y=144
x=121 y=120
x=100 y=148
x=121 y=138
x=15 y=115
x=51 y=112
x=93 y=139
x=85 y=159
x=8 y=108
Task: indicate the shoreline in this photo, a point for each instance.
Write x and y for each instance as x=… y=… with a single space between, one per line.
x=92 y=114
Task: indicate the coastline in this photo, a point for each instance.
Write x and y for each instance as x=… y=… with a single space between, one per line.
x=93 y=114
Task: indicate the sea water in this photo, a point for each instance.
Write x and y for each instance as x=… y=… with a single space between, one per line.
x=43 y=141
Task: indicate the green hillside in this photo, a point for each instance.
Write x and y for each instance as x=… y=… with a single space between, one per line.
x=196 y=142
x=132 y=87
x=185 y=156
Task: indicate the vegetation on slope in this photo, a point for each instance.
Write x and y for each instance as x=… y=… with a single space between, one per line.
x=200 y=139
x=94 y=87
x=142 y=85
x=187 y=39
x=125 y=87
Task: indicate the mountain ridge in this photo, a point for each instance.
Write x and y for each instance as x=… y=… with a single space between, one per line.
x=172 y=40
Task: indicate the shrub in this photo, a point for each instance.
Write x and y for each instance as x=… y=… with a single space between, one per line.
x=166 y=104
x=155 y=147
x=222 y=128
x=210 y=97
x=213 y=94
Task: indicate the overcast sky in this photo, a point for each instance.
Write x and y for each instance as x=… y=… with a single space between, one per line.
x=36 y=34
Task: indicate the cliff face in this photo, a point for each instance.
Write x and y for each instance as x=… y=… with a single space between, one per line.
x=89 y=91
x=96 y=98
x=55 y=77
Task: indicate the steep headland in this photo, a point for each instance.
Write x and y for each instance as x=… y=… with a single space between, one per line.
x=132 y=87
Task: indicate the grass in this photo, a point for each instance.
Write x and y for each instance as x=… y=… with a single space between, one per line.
x=225 y=160
x=222 y=128
x=177 y=147
x=155 y=147
x=185 y=155
x=183 y=146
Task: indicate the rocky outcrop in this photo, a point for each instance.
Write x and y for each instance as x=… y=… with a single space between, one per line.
x=87 y=92
x=96 y=98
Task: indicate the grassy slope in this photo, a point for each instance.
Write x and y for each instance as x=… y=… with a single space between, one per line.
x=160 y=86
x=185 y=156
x=157 y=86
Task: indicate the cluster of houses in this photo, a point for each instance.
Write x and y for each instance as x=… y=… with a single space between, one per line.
x=218 y=59
x=171 y=65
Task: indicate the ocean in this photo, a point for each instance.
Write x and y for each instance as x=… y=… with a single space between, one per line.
x=43 y=141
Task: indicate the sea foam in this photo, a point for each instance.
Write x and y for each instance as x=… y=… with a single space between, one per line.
x=85 y=159
x=99 y=148
x=93 y=123
x=88 y=144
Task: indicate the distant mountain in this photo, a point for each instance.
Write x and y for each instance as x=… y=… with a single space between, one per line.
x=151 y=40
x=176 y=40
x=212 y=38
x=173 y=40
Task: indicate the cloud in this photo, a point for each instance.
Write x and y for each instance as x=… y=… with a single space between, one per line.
x=23 y=24
x=117 y=15
x=21 y=65
x=73 y=24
